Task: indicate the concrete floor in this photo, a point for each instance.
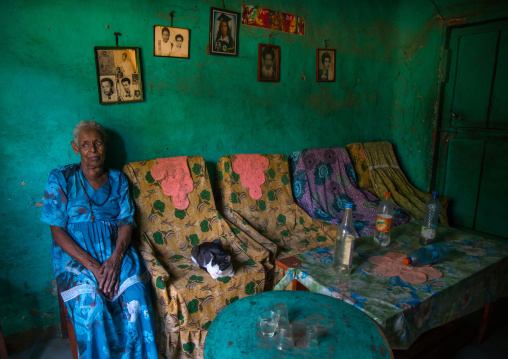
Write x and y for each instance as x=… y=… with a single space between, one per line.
x=56 y=348
x=495 y=347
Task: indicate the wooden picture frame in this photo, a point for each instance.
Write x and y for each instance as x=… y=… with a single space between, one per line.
x=268 y=63
x=325 y=65
x=118 y=74
x=171 y=42
x=224 y=34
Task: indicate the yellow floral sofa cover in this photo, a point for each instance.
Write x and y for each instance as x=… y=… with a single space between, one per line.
x=274 y=220
x=378 y=171
x=187 y=299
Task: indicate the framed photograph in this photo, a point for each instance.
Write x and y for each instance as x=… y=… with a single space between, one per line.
x=171 y=42
x=325 y=65
x=118 y=74
x=268 y=63
x=224 y=32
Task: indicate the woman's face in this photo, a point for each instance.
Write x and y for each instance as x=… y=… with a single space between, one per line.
x=92 y=148
x=223 y=28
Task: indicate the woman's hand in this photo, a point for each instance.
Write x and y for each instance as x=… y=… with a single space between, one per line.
x=109 y=275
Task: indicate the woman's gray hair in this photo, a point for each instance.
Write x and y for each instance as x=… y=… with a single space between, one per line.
x=88 y=124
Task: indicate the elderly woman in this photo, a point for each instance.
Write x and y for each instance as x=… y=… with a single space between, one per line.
x=102 y=280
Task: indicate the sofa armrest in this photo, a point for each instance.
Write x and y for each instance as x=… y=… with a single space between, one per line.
x=156 y=269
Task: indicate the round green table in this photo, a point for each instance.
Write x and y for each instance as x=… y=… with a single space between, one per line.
x=343 y=330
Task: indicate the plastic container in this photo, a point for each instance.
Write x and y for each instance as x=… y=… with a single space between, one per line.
x=430 y=220
x=384 y=221
x=345 y=243
x=427 y=255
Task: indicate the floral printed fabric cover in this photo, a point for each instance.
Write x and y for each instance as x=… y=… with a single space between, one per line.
x=387 y=176
x=274 y=221
x=324 y=180
x=187 y=298
x=475 y=274
x=361 y=166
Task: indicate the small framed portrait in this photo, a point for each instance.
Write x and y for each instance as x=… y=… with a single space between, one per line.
x=118 y=74
x=224 y=32
x=268 y=63
x=171 y=42
x=325 y=65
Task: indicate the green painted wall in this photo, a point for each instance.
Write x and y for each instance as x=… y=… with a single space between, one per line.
x=421 y=29
x=386 y=89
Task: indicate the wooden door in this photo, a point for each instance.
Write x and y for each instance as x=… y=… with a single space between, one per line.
x=472 y=167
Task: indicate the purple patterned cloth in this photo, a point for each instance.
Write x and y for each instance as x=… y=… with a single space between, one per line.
x=324 y=180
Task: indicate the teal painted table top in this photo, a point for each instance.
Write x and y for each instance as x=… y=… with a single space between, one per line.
x=474 y=275
x=343 y=331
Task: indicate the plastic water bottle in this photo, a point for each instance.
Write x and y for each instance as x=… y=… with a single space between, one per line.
x=427 y=255
x=430 y=220
x=384 y=221
x=345 y=243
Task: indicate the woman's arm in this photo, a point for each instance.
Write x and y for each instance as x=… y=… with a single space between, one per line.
x=107 y=274
x=110 y=269
x=70 y=247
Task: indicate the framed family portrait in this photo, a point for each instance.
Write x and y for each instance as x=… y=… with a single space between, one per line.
x=118 y=74
x=325 y=65
x=224 y=32
x=171 y=42
x=268 y=63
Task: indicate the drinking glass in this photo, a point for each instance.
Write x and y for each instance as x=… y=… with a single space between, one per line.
x=269 y=319
x=311 y=341
x=284 y=338
x=283 y=312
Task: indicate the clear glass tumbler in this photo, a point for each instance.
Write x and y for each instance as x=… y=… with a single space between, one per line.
x=269 y=320
x=283 y=312
x=284 y=338
x=311 y=340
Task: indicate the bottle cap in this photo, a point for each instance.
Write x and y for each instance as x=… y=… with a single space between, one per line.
x=349 y=205
x=435 y=194
x=387 y=195
x=406 y=261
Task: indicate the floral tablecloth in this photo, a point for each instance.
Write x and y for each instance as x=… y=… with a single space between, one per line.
x=474 y=274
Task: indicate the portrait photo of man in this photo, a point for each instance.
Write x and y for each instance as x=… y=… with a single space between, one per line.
x=108 y=90
x=268 y=62
x=163 y=45
x=224 y=32
x=106 y=62
x=325 y=61
x=126 y=89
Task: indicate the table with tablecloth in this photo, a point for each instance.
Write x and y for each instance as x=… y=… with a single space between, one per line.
x=474 y=275
x=236 y=333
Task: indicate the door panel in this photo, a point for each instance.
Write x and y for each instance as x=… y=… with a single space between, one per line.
x=492 y=212
x=499 y=110
x=472 y=165
x=473 y=81
x=462 y=180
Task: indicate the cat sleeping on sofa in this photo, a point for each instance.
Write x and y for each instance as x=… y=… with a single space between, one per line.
x=213 y=258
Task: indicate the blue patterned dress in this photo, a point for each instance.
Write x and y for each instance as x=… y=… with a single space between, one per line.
x=122 y=327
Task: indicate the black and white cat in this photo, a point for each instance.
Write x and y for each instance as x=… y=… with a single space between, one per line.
x=213 y=258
